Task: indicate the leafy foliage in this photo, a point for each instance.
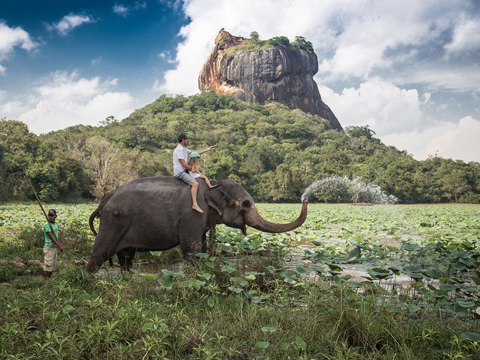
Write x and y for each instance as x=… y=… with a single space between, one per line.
x=302 y=43
x=239 y=304
x=274 y=152
x=279 y=40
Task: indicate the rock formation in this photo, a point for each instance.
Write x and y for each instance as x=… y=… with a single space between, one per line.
x=281 y=73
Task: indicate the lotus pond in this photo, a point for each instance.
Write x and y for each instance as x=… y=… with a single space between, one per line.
x=352 y=282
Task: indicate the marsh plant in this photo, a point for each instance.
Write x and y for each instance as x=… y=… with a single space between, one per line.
x=341 y=189
x=250 y=299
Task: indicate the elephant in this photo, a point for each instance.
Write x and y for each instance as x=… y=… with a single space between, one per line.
x=155 y=214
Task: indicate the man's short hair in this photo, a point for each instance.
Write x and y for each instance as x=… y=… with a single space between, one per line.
x=182 y=137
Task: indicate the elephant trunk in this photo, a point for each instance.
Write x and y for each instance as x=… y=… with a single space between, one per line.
x=253 y=219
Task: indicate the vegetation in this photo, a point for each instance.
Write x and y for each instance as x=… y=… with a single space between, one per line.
x=254 y=43
x=247 y=301
x=302 y=43
x=274 y=152
x=279 y=40
x=248 y=45
x=254 y=36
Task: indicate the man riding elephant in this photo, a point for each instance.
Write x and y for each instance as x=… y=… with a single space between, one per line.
x=181 y=168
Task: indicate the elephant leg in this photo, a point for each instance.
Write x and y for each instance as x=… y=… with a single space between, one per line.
x=123 y=262
x=191 y=246
x=212 y=240
x=190 y=237
x=105 y=244
x=130 y=260
x=125 y=257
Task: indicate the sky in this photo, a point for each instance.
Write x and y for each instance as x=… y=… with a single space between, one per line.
x=408 y=69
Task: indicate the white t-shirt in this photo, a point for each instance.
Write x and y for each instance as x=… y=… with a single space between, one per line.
x=179 y=153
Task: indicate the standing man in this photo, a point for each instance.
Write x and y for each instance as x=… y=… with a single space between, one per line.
x=52 y=244
x=181 y=168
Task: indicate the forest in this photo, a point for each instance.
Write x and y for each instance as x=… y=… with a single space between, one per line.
x=273 y=151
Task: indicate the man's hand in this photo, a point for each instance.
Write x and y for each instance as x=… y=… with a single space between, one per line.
x=61 y=248
x=213 y=147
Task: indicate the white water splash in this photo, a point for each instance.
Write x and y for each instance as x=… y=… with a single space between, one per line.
x=342 y=189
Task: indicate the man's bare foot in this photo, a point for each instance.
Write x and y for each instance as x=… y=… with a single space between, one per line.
x=197 y=208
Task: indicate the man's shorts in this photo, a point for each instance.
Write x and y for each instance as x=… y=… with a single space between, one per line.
x=49 y=257
x=185 y=177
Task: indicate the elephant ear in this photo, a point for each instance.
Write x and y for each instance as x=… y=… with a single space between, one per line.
x=217 y=199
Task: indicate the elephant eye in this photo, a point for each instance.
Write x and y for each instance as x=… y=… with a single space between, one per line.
x=247 y=204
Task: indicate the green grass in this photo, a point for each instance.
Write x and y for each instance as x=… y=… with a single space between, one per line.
x=248 y=46
x=248 y=302
x=77 y=316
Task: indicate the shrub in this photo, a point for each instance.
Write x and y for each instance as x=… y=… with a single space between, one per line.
x=470 y=198
x=279 y=40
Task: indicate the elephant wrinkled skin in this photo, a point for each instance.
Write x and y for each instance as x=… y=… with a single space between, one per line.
x=155 y=214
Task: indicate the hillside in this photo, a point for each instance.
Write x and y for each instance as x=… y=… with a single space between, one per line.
x=274 y=152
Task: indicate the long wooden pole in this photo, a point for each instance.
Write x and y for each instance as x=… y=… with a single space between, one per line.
x=39 y=202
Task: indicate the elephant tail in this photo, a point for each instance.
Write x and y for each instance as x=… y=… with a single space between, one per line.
x=94 y=215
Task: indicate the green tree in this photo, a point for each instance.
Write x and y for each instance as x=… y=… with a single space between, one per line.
x=279 y=40
x=454 y=184
x=302 y=43
x=254 y=36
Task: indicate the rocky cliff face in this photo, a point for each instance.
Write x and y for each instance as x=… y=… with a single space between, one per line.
x=282 y=73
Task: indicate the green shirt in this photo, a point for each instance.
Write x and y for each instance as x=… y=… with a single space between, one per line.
x=46 y=229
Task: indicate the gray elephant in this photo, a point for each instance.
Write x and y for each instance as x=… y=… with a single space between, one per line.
x=155 y=214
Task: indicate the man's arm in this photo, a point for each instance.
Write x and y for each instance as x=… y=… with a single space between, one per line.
x=184 y=164
x=213 y=147
x=55 y=241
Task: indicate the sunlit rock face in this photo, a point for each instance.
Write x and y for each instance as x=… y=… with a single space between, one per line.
x=282 y=73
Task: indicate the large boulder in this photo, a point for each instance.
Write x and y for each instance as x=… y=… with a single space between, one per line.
x=264 y=73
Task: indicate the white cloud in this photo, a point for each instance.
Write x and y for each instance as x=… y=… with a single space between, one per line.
x=140 y=5
x=66 y=100
x=456 y=78
x=352 y=39
x=3 y=70
x=11 y=37
x=97 y=61
x=448 y=140
x=123 y=10
x=383 y=106
x=70 y=22
x=120 y=9
x=426 y=97
x=466 y=36
x=167 y=56
x=156 y=87
x=397 y=118
x=11 y=109
x=268 y=18
x=173 y=4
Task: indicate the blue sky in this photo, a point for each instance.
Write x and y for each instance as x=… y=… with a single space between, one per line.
x=409 y=69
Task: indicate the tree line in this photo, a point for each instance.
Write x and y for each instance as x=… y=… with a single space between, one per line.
x=273 y=151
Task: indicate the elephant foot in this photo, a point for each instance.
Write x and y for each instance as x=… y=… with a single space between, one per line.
x=197 y=208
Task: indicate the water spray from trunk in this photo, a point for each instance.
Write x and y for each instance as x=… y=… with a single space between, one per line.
x=342 y=189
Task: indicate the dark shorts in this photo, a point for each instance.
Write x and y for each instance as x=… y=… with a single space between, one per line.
x=185 y=177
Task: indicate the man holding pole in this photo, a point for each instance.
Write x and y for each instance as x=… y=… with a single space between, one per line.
x=52 y=244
